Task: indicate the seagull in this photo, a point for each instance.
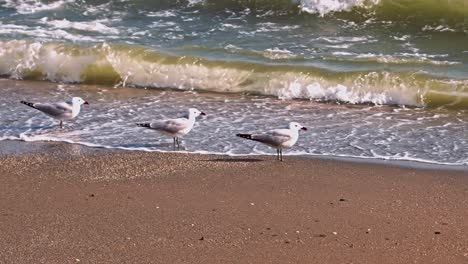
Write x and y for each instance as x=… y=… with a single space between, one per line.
x=62 y=111
x=278 y=138
x=177 y=127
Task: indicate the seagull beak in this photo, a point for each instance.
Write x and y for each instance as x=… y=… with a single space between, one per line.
x=304 y=128
x=86 y=103
x=202 y=114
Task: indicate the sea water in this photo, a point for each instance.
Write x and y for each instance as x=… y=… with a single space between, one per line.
x=372 y=79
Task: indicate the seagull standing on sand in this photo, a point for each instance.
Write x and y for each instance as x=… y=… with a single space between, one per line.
x=177 y=127
x=278 y=138
x=62 y=111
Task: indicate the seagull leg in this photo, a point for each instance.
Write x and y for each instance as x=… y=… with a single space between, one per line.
x=281 y=154
x=178 y=143
x=174 y=142
x=61 y=124
x=277 y=154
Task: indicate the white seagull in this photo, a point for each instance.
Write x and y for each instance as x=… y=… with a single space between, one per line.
x=278 y=138
x=177 y=127
x=62 y=111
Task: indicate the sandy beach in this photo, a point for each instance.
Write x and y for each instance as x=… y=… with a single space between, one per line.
x=368 y=99
x=63 y=203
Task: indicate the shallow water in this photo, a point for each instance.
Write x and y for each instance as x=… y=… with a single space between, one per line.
x=384 y=132
x=380 y=79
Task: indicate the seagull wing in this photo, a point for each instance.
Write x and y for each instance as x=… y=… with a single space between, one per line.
x=55 y=109
x=273 y=138
x=171 y=126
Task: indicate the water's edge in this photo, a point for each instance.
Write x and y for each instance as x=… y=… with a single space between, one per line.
x=19 y=147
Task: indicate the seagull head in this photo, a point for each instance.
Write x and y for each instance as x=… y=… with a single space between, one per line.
x=296 y=126
x=195 y=112
x=78 y=101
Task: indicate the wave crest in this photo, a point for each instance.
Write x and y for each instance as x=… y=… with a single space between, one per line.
x=139 y=67
x=431 y=12
x=325 y=7
x=31 y=7
x=450 y=14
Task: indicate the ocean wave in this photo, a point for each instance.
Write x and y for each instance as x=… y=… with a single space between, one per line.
x=402 y=58
x=140 y=67
x=427 y=15
x=43 y=33
x=271 y=54
x=449 y=9
x=33 y=6
x=385 y=7
x=446 y=15
x=90 y=26
x=325 y=7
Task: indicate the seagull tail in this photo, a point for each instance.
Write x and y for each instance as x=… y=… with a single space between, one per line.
x=246 y=136
x=28 y=104
x=144 y=125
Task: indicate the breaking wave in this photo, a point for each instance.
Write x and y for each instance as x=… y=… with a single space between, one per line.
x=429 y=15
x=139 y=67
x=32 y=6
x=449 y=9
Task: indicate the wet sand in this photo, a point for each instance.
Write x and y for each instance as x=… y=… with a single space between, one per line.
x=62 y=203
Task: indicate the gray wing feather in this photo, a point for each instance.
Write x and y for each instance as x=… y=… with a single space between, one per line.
x=57 y=109
x=170 y=126
x=273 y=138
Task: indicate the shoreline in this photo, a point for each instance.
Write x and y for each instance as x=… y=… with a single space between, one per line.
x=413 y=164
x=95 y=128
x=64 y=203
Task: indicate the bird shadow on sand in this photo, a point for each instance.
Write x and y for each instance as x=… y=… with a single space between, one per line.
x=228 y=160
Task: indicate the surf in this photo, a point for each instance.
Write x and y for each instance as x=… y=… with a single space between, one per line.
x=120 y=65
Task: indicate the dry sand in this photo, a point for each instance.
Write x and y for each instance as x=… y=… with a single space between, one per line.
x=63 y=203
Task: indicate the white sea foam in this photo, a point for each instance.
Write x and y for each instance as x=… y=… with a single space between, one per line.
x=45 y=34
x=32 y=6
x=398 y=58
x=227 y=26
x=273 y=27
x=355 y=91
x=93 y=10
x=277 y=53
x=195 y=2
x=341 y=46
x=324 y=7
x=234 y=47
x=337 y=40
x=55 y=65
x=92 y=26
x=165 y=13
x=439 y=28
